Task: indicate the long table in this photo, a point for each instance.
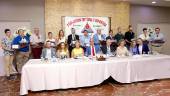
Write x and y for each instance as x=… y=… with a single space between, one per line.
x=40 y=75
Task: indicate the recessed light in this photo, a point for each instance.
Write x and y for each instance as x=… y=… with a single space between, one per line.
x=153 y=2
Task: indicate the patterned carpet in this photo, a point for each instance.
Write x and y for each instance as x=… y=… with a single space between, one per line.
x=108 y=88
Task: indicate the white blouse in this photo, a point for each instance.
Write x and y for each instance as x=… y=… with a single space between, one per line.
x=122 y=52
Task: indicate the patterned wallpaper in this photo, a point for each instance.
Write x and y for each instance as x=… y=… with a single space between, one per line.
x=55 y=9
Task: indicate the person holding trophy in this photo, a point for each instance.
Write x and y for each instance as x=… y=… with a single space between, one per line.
x=157 y=41
x=36 y=43
x=22 y=47
x=72 y=38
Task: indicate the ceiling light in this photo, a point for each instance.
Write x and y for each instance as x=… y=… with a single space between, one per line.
x=153 y=2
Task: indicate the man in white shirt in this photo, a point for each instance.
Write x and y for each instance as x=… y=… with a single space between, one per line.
x=51 y=39
x=158 y=35
x=158 y=41
x=48 y=52
x=36 y=43
x=99 y=38
x=145 y=36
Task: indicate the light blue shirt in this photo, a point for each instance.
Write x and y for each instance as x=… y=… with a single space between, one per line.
x=159 y=36
x=96 y=38
x=85 y=40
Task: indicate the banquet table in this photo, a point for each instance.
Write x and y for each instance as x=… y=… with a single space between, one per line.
x=40 y=75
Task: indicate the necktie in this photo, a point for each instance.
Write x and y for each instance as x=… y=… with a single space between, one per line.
x=73 y=37
x=93 y=53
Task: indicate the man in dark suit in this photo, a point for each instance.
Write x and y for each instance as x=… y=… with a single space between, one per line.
x=141 y=47
x=112 y=39
x=108 y=48
x=129 y=35
x=72 y=39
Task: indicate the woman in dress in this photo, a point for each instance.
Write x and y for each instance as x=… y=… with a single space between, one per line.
x=62 y=51
x=61 y=37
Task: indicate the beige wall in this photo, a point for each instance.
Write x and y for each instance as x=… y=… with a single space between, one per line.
x=140 y=14
x=54 y=9
x=23 y=10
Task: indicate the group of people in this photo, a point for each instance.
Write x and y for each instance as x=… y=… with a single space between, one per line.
x=21 y=48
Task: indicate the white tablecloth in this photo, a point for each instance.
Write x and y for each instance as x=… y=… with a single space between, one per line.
x=128 y=70
x=38 y=75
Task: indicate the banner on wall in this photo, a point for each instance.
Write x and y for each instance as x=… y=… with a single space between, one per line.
x=91 y=24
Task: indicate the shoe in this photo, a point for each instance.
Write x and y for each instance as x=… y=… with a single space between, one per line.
x=8 y=77
x=13 y=77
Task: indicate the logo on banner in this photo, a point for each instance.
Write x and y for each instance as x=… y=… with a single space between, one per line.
x=91 y=24
x=87 y=28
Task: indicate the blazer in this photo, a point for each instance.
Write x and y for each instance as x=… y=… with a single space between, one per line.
x=104 y=49
x=88 y=50
x=44 y=53
x=145 y=49
x=96 y=39
x=69 y=40
x=109 y=37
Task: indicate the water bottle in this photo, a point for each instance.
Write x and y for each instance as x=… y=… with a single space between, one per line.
x=42 y=59
x=53 y=59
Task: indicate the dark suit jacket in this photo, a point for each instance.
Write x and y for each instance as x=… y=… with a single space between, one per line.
x=114 y=44
x=104 y=49
x=70 y=39
x=145 y=49
x=44 y=53
x=129 y=36
x=109 y=37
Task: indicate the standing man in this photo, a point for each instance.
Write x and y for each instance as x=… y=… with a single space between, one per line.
x=129 y=35
x=72 y=38
x=36 y=43
x=112 y=39
x=85 y=40
x=108 y=49
x=119 y=36
x=99 y=38
x=157 y=41
x=8 y=54
x=23 y=50
x=145 y=36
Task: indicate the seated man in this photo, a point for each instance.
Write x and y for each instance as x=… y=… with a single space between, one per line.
x=48 y=52
x=141 y=47
x=108 y=48
x=91 y=50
